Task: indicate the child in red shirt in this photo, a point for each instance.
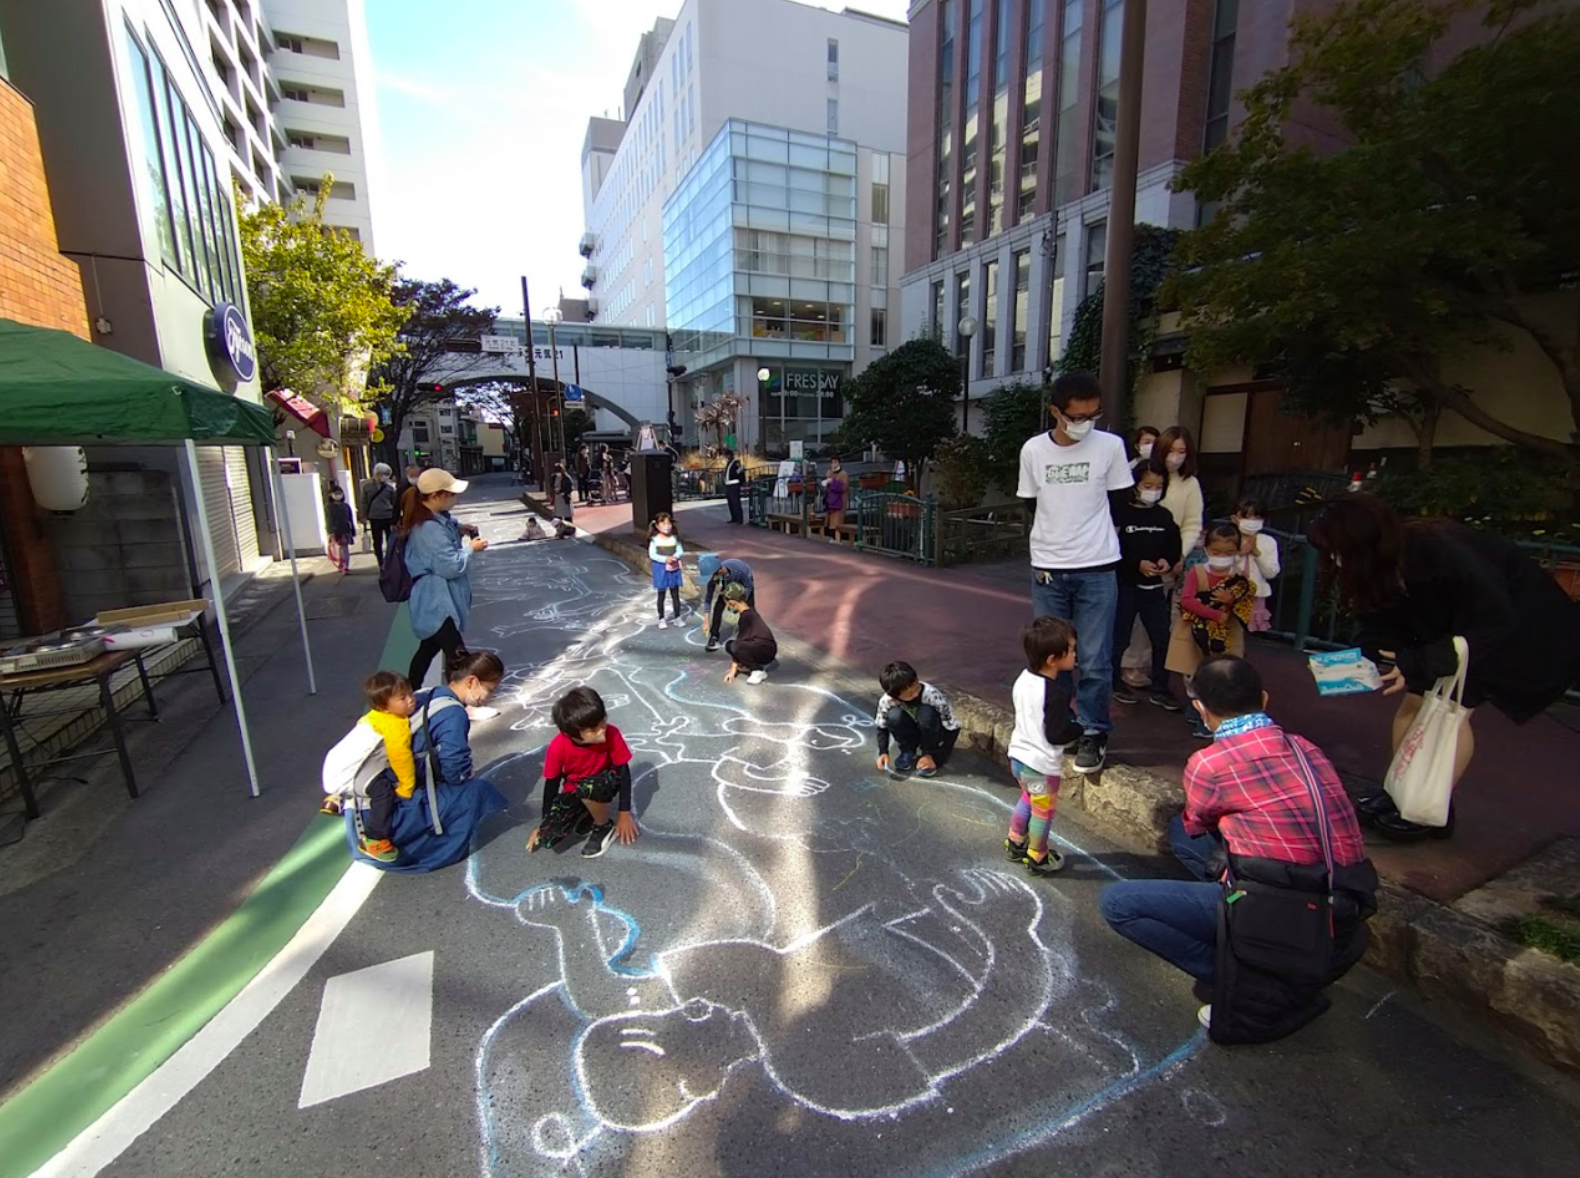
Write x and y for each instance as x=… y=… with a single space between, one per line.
x=587 y=761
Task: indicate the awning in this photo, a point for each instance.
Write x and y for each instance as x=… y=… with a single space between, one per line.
x=303 y=410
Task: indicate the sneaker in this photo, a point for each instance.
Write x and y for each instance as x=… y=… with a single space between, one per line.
x=1091 y=753
x=1204 y=1016
x=1126 y=694
x=933 y=772
x=905 y=763
x=662 y=624
x=1013 y=851
x=1047 y=865
x=1199 y=729
x=1166 y=701
x=598 y=841
x=381 y=850
x=757 y=677
x=713 y=645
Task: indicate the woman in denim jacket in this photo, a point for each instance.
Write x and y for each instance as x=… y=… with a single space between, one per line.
x=438 y=551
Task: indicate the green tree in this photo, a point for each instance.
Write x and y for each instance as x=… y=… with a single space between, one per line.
x=1454 y=204
x=439 y=341
x=905 y=402
x=321 y=309
x=960 y=471
x=1013 y=413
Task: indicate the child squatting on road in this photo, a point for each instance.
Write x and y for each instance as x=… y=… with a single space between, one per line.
x=391 y=704
x=586 y=766
x=1043 y=727
x=918 y=716
x=754 y=645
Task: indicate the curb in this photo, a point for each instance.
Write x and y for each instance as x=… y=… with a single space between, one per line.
x=1439 y=951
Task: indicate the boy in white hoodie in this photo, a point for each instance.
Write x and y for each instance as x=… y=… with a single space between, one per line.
x=1044 y=725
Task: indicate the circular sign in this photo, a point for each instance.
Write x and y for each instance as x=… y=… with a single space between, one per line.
x=327 y=448
x=377 y=435
x=230 y=340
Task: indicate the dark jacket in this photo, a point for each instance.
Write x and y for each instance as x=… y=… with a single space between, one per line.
x=751 y=629
x=379 y=500
x=339 y=518
x=1145 y=533
x=1523 y=630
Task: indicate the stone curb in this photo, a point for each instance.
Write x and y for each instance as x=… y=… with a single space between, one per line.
x=1441 y=952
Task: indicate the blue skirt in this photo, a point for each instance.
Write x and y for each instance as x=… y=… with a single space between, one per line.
x=462 y=809
x=665 y=578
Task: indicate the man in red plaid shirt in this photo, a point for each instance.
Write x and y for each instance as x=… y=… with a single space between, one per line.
x=1245 y=795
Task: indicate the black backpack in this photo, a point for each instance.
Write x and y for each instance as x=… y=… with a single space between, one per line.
x=395 y=578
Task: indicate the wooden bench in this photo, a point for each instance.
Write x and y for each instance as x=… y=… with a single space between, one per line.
x=790 y=525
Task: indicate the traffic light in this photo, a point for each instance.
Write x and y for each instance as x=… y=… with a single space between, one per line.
x=435 y=387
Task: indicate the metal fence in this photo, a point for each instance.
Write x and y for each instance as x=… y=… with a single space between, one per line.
x=896 y=525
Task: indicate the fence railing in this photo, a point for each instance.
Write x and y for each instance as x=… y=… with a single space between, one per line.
x=990 y=532
x=895 y=525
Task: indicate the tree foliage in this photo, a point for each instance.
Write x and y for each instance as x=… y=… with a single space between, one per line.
x=960 y=471
x=439 y=317
x=1012 y=413
x=905 y=401
x=321 y=308
x=1357 y=272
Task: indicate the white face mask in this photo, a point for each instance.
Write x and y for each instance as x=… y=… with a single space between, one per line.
x=1220 y=564
x=664 y=529
x=1079 y=429
x=1250 y=526
x=1175 y=461
x=1151 y=496
x=1338 y=561
x=1145 y=449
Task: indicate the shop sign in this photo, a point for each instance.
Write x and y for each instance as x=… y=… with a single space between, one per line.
x=230 y=343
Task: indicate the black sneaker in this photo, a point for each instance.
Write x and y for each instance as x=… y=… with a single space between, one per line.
x=598 y=841
x=713 y=645
x=1165 y=700
x=905 y=762
x=1050 y=864
x=1091 y=753
x=1126 y=694
x=1013 y=851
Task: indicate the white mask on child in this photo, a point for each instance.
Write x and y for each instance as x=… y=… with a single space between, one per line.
x=664 y=529
x=1150 y=495
x=1145 y=449
x=1250 y=526
x=1220 y=564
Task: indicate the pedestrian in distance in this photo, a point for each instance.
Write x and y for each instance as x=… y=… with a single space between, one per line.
x=917 y=717
x=1069 y=472
x=380 y=504
x=1143 y=441
x=715 y=573
x=438 y=555
x=583 y=472
x=1044 y=728
x=342 y=529
x=754 y=646
x=1149 y=546
x=560 y=498
x=586 y=768
x=664 y=551
x=734 y=480
x=836 y=494
x=408 y=488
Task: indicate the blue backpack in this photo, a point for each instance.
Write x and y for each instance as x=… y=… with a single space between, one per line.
x=394 y=577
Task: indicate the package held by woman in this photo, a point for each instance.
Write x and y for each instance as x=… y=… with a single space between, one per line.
x=1344 y=672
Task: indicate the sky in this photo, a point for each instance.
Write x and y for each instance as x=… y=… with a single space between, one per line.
x=483 y=107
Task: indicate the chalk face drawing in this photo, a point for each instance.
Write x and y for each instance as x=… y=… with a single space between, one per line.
x=799 y=955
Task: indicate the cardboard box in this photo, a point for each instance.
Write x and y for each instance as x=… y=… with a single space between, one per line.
x=169 y=613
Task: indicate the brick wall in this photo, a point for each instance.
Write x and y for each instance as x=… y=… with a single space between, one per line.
x=39 y=287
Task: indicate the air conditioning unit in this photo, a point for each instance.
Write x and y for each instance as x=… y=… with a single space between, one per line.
x=590 y=277
x=592 y=308
x=589 y=243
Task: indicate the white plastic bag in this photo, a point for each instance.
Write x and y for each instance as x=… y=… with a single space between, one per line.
x=1421 y=778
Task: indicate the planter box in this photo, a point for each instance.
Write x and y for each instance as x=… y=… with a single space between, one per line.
x=1567 y=574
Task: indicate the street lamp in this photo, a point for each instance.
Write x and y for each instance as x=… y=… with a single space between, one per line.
x=967 y=328
x=763 y=375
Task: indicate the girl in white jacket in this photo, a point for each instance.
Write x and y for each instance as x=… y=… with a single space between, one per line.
x=1261 y=559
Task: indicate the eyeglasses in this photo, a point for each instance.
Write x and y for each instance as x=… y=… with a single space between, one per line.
x=1083 y=420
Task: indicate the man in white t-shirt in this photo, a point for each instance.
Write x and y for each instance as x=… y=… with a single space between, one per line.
x=1070 y=472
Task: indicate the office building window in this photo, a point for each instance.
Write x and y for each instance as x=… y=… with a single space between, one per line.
x=1096 y=257
x=880 y=328
x=998 y=132
x=880 y=266
x=943 y=194
x=153 y=160
x=833 y=60
x=989 y=317
x=880 y=188
x=936 y=324
x=1018 y=310
x=1107 y=117
x=1031 y=108
x=1067 y=147
x=1056 y=299
x=968 y=138
x=1220 y=81
x=833 y=116
x=962 y=307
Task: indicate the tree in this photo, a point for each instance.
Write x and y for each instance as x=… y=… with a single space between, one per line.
x=1013 y=413
x=321 y=309
x=905 y=402
x=1356 y=273
x=718 y=418
x=439 y=341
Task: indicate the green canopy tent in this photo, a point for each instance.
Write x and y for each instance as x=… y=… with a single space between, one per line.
x=58 y=390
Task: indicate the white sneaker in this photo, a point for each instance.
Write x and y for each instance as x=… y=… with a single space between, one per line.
x=1204 y=1016
x=481 y=713
x=757 y=677
x=662 y=624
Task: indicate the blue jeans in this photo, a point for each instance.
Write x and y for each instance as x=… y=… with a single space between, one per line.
x=1193 y=850
x=1176 y=919
x=1088 y=601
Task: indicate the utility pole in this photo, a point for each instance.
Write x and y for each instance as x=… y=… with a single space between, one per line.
x=559 y=391
x=1122 y=215
x=532 y=376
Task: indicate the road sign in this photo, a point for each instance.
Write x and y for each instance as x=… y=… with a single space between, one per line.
x=377 y=436
x=574 y=394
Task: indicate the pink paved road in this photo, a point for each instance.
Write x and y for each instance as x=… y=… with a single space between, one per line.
x=962 y=626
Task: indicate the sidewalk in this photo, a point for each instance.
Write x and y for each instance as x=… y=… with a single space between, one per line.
x=961 y=626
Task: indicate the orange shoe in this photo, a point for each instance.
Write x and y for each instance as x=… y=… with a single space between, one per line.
x=380 y=849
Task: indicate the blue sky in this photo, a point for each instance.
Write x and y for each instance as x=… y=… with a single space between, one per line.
x=483 y=106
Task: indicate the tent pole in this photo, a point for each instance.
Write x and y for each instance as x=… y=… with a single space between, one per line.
x=296 y=580
x=220 y=613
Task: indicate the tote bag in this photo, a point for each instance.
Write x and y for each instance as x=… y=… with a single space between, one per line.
x=1421 y=778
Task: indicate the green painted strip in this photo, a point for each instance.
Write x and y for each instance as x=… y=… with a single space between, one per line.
x=42 y=1119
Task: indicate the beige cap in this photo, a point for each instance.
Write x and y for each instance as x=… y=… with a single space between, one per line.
x=432 y=481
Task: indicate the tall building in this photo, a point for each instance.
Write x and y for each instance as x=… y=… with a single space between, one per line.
x=755 y=219
x=1012 y=119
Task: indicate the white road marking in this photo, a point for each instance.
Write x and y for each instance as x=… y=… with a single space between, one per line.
x=107 y=1138
x=374 y=1026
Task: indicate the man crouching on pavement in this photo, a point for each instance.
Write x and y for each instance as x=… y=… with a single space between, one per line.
x=1283 y=887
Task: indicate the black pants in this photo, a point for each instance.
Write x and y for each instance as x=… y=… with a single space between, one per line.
x=674 y=596
x=922 y=733
x=716 y=623
x=581 y=485
x=1152 y=607
x=752 y=654
x=448 y=639
x=381 y=807
x=381 y=529
x=732 y=496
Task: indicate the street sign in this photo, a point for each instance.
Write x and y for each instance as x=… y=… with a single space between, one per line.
x=574 y=394
x=503 y=343
x=377 y=436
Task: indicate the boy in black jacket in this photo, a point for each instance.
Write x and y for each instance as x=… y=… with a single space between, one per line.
x=1149 y=545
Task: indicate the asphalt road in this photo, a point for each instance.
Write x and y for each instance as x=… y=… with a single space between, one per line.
x=802 y=968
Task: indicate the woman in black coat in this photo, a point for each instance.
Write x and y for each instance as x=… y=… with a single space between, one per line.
x=1414 y=587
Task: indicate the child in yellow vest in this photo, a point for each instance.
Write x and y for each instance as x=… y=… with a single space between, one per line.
x=387 y=723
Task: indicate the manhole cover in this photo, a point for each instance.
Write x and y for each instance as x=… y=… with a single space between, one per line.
x=332 y=607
